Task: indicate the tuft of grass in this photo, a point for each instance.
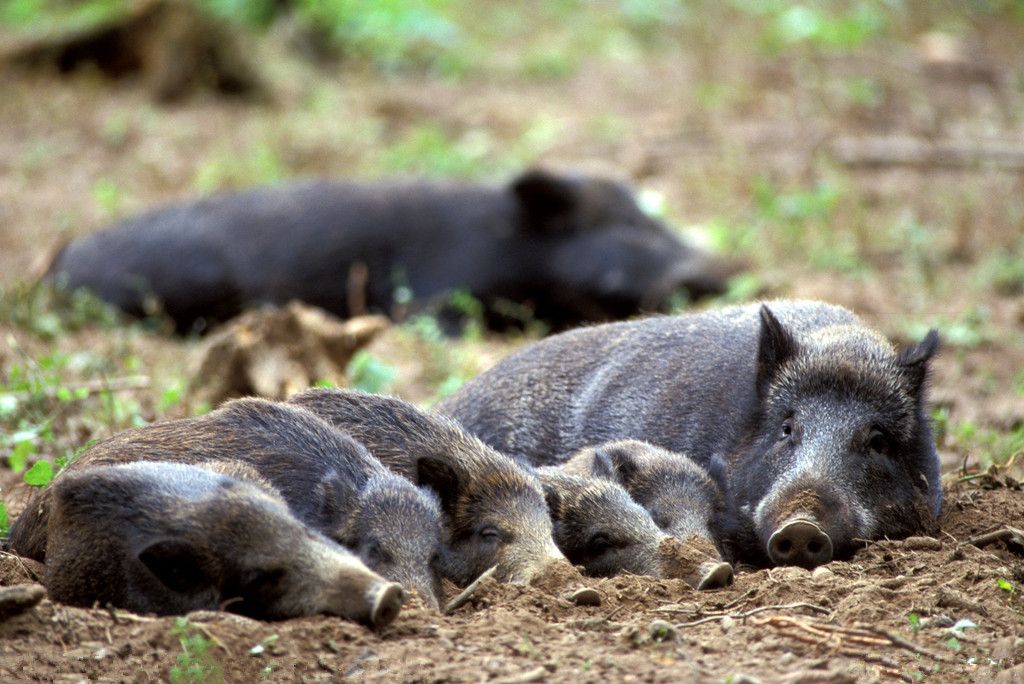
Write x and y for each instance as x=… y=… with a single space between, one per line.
x=227 y=170
x=195 y=664
x=368 y=373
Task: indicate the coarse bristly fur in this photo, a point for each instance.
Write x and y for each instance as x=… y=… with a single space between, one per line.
x=171 y=538
x=682 y=497
x=320 y=473
x=599 y=526
x=494 y=510
x=796 y=397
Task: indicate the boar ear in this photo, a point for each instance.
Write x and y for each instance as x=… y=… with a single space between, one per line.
x=543 y=196
x=914 y=359
x=615 y=464
x=177 y=564
x=442 y=478
x=775 y=347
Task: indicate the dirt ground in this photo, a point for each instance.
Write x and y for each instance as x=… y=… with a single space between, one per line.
x=745 y=150
x=845 y=622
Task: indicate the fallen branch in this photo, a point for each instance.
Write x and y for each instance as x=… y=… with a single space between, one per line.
x=754 y=611
x=904 y=644
x=467 y=593
x=1006 y=534
x=881 y=151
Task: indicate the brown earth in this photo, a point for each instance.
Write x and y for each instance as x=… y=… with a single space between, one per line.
x=704 y=121
x=845 y=622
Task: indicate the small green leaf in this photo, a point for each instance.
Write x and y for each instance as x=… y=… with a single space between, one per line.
x=1005 y=585
x=40 y=474
x=18 y=458
x=5 y=521
x=915 y=621
x=953 y=643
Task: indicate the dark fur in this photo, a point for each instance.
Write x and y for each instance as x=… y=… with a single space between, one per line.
x=722 y=384
x=494 y=510
x=566 y=249
x=328 y=480
x=170 y=538
x=682 y=497
x=597 y=525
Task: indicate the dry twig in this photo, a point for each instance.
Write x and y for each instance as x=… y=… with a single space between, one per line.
x=467 y=593
x=754 y=611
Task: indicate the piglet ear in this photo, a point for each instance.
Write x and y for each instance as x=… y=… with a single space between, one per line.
x=914 y=359
x=442 y=478
x=776 y=346
x=177 y=564
x=544 y=196
x=615 y=464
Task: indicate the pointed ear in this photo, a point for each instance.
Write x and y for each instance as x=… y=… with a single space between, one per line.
x=914 y=359
x=177 y=564
x=544 y=196
x=442 y=478
x=615 y=464
x=775 y=347
x=334 y=498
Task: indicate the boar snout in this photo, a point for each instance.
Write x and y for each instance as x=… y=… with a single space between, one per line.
x=800 y=542
x=386 y=602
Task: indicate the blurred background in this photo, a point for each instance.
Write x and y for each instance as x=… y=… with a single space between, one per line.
x=864 y=152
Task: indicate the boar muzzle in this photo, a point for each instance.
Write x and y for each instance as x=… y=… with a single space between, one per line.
x=800 y=541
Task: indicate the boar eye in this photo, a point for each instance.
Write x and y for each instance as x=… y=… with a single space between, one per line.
x=374 y=553
x=599 y=543
x=786 y=431
x=878 y=443
x=489 y=533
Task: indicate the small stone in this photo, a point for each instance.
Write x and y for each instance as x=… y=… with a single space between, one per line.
x=922 y=544
x=586 y=597
x=661 y=630
x=745 y=679
x=822 y=572
x=726 y=623
x=787 y=658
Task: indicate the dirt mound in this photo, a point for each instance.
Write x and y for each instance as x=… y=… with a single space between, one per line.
x=277 y=351
x=932 y=608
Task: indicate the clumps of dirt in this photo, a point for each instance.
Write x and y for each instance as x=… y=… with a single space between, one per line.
x=172 y=45
x=806 y=502
x=17 y=570
x=694 y=560
x=276 y=351
x=922 y=608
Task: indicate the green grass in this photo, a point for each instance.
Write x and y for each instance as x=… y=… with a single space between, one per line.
x=195 y=664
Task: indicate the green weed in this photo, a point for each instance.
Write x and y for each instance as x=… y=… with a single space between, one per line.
x=5 y=520
x=260 y=165
x=368 y=373
x=195 y=664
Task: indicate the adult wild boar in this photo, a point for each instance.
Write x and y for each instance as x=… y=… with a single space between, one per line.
x=562 y=249
x=328 y=481
x=494 y=510
x=821 y=422
x=171 y=538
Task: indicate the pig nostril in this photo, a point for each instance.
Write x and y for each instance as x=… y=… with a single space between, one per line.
x=800 y=542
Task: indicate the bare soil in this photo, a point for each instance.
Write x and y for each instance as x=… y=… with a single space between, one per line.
x=705 y=121
x=845 y=622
